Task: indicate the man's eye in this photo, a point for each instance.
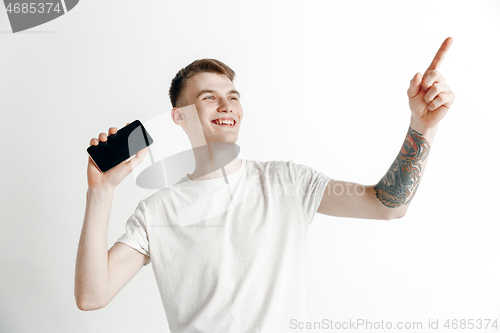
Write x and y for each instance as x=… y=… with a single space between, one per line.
x=234 y=98
x=208 y=97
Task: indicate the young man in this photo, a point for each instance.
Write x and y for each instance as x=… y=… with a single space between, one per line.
x=228 y=245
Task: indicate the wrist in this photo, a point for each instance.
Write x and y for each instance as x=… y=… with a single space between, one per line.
x=426 y=131
x=100 y=191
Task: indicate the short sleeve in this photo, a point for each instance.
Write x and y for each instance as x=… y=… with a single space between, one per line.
x=135 y=234
x=309 y=187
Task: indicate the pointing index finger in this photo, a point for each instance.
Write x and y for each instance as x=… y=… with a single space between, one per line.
x=439 y=57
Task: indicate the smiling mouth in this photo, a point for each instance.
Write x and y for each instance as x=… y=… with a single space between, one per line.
x=224 y=122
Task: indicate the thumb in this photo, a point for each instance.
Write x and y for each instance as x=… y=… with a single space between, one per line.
x=414 y=88
x=138 y=158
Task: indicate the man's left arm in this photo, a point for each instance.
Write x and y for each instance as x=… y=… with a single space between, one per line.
x=430 y=98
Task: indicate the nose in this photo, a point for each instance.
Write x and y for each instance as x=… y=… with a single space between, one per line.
x=224 y=107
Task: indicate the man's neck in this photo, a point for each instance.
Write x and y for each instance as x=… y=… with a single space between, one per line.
x=205 y=168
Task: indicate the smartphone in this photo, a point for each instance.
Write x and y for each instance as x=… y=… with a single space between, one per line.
x=126 y=142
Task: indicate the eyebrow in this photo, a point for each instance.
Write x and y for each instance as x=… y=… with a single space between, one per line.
x=204 y=91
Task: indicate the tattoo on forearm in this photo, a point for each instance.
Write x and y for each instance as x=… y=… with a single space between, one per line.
x=400 y=183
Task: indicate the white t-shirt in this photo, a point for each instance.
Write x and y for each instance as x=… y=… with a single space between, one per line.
x=231 y=257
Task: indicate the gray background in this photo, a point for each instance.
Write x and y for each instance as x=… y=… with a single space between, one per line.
x=322 y=82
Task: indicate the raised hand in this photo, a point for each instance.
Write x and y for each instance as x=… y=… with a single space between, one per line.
x=429 y=96
x=113 y=177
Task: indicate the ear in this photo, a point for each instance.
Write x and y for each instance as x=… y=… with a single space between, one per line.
x=177 y=116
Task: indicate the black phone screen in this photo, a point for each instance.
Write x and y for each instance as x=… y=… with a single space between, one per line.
x=126 y=142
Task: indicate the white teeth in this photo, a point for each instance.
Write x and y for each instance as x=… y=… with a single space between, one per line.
x=226 y=122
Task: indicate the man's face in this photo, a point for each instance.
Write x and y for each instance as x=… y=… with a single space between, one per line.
x=215 y=98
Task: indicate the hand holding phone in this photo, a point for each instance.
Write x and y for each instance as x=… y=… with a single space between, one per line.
x=107 y=155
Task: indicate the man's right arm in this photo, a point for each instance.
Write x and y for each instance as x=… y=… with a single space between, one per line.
x=100 y=274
